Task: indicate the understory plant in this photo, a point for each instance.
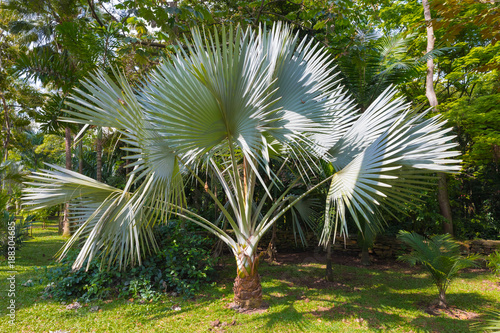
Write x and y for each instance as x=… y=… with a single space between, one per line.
x=183 y=265
x=244 y=104
x=439 y=255
x=494 y=262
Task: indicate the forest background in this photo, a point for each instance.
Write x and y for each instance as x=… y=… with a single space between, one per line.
x=47 y=47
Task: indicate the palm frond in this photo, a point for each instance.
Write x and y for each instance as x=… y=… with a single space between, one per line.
x=114 y=223
x=305 y=214
x=50 y=67
x=437 y=52
x=377 y=119
x=404 y=150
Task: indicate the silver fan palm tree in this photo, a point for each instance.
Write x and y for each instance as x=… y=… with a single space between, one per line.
x=234 y=100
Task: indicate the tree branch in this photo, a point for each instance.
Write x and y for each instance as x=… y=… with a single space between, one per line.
x=260 y=12
x=94 y=14
x=152 y=44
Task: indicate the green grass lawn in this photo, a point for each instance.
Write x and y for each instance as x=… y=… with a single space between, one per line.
x=359 y=299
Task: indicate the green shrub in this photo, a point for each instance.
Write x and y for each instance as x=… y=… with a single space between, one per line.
x=182 y=265
x=12 y=233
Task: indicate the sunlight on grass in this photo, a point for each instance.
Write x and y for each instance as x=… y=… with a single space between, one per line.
x=299 y=299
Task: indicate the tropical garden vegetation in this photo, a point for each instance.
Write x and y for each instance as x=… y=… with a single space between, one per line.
x=154 y=132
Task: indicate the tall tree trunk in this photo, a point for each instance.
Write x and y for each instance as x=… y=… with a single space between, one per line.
x=6 y=129
x=80 y=157
x=429 y=87
x=99 y=155
x=247 y=288
x=444 y=203
x=66 y=226
x=443 y=198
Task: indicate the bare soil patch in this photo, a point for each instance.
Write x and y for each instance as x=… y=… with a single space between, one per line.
x=338 y=258
x=263 y=308
x=451 y=312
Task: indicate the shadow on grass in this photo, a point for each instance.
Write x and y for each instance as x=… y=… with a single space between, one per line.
x=378 y=300
x=363 y=307
x=298 y=295
x=48 y=232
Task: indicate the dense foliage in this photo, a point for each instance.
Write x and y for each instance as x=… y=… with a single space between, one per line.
x=56 y=44
x=12 y=232
x=183 y=266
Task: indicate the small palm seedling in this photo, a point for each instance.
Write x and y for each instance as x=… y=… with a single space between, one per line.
x=440 y=255
x=494 y=262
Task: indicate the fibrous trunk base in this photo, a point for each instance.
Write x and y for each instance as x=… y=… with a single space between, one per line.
x=441 y=301
x=248 y=291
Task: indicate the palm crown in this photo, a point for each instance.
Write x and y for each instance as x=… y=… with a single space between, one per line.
x=234 y=100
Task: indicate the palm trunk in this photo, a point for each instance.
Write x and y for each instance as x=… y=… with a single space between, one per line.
x=66 y=226
x=80 y=157
x=442 y=300
x=329 y=270
x=365 y=256
x=247 y=288
x=443 y=198
x=248 y=291
x=271 y=248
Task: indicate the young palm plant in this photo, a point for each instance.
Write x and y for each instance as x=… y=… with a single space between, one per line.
x=440 y=255
x=233 y=100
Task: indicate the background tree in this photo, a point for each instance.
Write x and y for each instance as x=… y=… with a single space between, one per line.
x=443 y=198
x=466 y=72
x=67 y=45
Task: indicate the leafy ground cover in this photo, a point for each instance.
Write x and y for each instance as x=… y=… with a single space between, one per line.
x=387 y=296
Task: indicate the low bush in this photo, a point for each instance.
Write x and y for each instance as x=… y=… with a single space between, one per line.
x=182 y=265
